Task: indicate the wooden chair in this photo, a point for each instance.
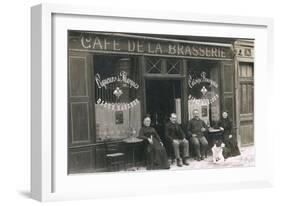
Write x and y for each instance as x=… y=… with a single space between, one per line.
x=114 y=157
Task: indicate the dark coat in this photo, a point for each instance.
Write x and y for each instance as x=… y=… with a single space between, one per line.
x=230 y=143
x=194 y=127
x=226 y=124
x=146 y=132
x=173 y=131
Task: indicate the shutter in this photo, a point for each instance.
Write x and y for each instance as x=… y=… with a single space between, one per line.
x=80 y=129
x=228 y=90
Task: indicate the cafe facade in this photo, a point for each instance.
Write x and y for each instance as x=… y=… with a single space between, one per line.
x=115 y=79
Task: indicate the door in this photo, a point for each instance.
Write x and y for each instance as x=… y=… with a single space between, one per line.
x=246 y=104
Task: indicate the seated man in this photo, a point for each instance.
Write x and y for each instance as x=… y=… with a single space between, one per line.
x=176 y=137
x=196 y=128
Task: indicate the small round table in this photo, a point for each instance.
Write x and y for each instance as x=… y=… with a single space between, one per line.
x=132 y=142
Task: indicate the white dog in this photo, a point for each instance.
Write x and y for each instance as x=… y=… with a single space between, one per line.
x=217 y=150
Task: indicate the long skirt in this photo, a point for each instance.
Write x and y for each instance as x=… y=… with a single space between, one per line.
x=232 y=146
x=156 y=156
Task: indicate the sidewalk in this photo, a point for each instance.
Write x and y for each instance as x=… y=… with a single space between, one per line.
x=246 y=159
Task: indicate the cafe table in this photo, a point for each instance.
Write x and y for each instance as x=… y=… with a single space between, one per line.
x=132 y=143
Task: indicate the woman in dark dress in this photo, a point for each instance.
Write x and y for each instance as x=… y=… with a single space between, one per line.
x=156 y=156
x=230 y=142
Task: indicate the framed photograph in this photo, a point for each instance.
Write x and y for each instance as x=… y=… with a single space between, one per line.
x=126 y=99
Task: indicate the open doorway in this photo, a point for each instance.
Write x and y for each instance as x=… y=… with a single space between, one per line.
x=163 y=97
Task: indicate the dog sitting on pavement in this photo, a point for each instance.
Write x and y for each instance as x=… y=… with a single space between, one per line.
x=217 y=151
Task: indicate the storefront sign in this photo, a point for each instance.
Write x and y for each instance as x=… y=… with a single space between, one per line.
x=207 y=97
x=117 y=106
x=192 y=82
x=150 y=46
x=122 y=78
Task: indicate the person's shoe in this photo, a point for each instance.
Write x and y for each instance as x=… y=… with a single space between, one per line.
x=197 y=158
x=185 y=162
x=174 y=161
x=202 y=157
x=179 y=162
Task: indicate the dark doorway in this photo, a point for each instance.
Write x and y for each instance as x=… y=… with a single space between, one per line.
x=162 y=98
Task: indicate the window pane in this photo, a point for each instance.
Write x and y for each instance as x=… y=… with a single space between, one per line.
x=173 y=66
x=153 y=65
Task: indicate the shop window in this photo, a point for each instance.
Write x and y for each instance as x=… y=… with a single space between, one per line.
x=203 y=90
x=117 y=105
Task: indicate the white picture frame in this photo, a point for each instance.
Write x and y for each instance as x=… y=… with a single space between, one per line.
x=49 y=179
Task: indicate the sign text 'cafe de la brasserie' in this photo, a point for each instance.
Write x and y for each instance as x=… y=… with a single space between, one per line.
x=147 y=46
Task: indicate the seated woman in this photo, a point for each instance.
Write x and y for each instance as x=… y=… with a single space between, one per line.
x=156 y=156
x=230 y=142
